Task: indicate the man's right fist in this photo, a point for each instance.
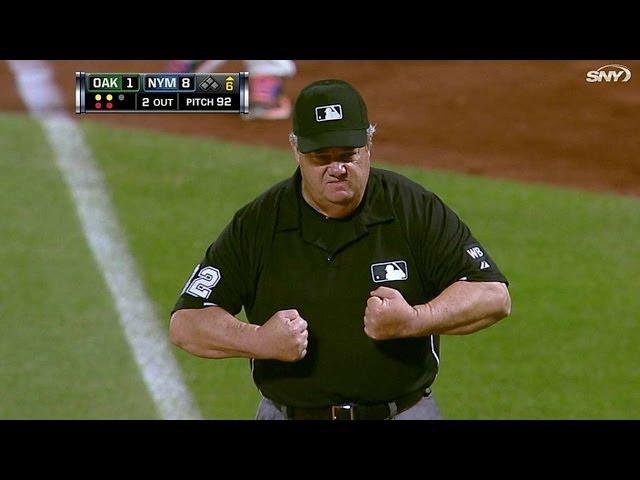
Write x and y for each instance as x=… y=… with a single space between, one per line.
x=284 y=336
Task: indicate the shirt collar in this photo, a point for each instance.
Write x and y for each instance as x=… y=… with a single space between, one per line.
x=376 y=208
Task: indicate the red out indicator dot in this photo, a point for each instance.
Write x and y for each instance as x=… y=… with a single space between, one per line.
x=98 y=105
x=109 y=105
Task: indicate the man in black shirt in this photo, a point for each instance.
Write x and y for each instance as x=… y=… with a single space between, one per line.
x=348 y=275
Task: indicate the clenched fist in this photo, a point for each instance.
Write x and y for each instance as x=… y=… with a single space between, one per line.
x=284 y=336
x=388 y=315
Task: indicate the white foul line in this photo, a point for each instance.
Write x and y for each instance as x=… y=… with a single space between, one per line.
x=148 y=341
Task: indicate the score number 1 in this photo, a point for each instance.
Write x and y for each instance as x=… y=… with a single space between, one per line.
x=131 y=83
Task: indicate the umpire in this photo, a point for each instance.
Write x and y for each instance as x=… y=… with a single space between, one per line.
x=348 y=275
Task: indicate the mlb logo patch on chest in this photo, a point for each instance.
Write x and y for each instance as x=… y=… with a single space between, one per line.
x=389 y=271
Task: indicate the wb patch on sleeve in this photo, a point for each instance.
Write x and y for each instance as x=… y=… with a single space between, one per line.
x=479 y=257
x=475 y=252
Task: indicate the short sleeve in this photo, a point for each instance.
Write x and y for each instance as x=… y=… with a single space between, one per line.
x=222 y=276
x=451 y=253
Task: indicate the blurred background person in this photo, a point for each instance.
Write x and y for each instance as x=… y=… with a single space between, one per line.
x=267 y=99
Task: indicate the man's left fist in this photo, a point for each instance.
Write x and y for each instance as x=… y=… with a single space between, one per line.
x=388 y=315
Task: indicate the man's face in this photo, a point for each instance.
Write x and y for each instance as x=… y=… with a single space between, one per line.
x=335 y=178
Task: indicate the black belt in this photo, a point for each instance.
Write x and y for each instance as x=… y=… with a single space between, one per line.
x=355 y=411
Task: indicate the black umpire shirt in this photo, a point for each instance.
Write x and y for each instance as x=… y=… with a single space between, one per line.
x=278 y=253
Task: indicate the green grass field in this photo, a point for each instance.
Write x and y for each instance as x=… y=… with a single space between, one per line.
x=568 y=351
x=62 y=352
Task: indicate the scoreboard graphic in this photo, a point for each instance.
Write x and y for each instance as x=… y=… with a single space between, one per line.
x=162 y=92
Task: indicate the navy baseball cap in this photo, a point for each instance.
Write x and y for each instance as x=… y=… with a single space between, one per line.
x=330 y=113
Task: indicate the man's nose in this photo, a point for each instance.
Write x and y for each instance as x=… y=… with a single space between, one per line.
x=337 y=168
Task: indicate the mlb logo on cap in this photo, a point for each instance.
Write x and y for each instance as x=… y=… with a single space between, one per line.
x=315 y=110
x=328 y=112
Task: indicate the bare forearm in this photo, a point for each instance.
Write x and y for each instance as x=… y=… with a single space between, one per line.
x=463 y=308
x=213 y=333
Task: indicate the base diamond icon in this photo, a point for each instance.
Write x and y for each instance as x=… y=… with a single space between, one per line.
x=209 y=84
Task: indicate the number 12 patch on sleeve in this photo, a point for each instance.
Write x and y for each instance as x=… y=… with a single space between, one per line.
x=203 y=283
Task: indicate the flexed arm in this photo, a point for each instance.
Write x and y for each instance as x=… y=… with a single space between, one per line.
x=212 y=332
x=462 y=308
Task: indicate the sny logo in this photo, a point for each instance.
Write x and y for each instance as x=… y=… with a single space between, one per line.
x=609 y=73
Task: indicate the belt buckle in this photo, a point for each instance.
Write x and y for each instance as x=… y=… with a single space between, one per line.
x=337 y=410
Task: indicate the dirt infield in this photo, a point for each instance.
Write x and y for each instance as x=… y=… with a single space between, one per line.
x=527 y=120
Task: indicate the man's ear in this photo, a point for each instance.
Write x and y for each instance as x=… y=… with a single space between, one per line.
x=296 y=153
x=369 y=150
